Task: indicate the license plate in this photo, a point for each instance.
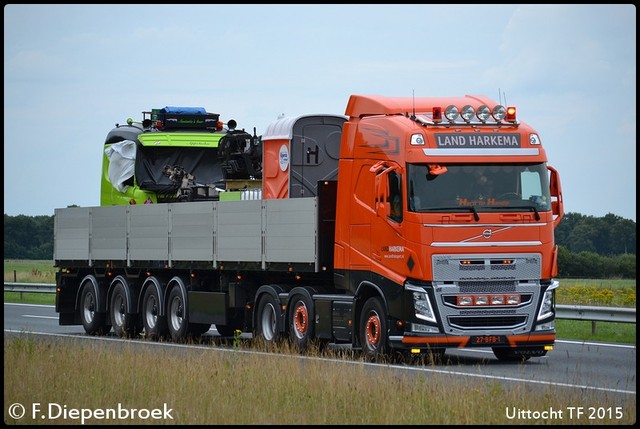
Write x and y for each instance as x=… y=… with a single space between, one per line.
x=488 y=339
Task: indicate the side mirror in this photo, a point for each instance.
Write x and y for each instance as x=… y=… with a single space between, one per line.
x=557 y=205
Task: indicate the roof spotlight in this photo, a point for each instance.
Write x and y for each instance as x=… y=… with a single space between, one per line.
x=499 y=113
x=468 y=113
x=483 y=113
x=451 y=113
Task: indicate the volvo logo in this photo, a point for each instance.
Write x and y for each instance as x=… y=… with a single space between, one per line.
x=487 y=233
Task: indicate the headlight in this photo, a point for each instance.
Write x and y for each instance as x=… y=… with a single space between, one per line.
x=546 y=309
x=421 y=304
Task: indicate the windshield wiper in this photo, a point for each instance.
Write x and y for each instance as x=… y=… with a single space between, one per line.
x=530 y=208
x=472 y=208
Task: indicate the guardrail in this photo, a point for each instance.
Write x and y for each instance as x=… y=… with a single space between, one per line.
x=571 y=312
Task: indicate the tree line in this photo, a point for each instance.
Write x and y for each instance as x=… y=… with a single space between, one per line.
x=589 y=247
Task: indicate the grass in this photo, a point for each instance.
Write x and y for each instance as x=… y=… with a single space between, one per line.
x=234 y=388
x=28 y=271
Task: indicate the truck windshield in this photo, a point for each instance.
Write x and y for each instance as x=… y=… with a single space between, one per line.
x=479 y=187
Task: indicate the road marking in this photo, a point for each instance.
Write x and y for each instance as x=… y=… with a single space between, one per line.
x=40 y=317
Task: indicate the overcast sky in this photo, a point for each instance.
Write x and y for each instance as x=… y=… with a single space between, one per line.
x=72 y=71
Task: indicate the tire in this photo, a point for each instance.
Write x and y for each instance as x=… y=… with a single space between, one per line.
x=154 y=325
x=268 y=323
x=301 y=322
x=509 y=354
x=125 y=324
x=373 y=330
x=177 y=315
x=94 y=323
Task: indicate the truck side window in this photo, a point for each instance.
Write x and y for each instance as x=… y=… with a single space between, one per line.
x=395 y=196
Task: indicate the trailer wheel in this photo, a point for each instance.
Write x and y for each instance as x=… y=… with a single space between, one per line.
x=301 y=322
x=94 y=322
x=125 y=325
x=373 y=329
x=268 y=320
x=155 y=325
x=177 y=315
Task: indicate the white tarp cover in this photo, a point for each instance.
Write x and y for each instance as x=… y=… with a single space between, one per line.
x=122 y=159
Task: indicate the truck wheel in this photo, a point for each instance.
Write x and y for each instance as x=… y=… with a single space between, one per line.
x=177 y=315
x=373 y=329
x=268 y=320
x=94 y=323
x=301 y=322
x=155 y=325
x=509 y=354
x=125 y=325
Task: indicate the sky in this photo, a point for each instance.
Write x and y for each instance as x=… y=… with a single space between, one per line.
x=71 y=72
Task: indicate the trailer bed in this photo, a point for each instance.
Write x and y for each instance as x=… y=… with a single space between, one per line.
x=267 y=233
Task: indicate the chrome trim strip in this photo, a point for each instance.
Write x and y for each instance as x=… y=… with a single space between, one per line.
x=481 y=244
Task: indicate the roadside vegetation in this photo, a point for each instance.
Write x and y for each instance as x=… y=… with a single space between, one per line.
x=230 y=387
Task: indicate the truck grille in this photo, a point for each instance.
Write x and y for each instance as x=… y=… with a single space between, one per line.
x=466 y=322
x=452 y=278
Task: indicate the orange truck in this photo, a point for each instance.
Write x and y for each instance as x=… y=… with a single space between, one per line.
x=405 y=227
